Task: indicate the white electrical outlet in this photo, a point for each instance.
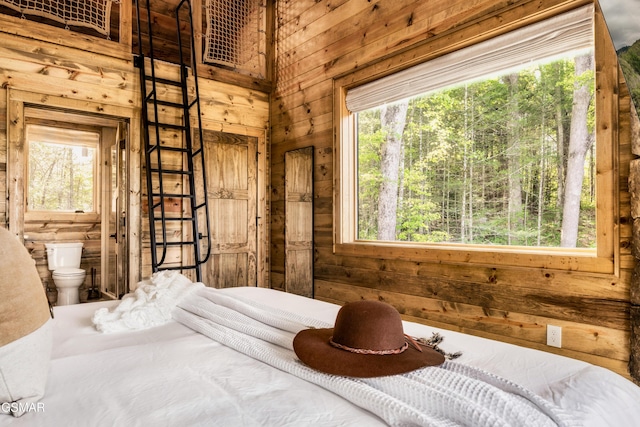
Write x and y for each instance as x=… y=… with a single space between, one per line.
x=554 y=336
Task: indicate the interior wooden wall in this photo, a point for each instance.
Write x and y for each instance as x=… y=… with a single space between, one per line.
x=53 y=66
x=163 y=21
x=78 y=78
x=319 y=41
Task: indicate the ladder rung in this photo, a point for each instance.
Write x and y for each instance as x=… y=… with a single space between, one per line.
x=165 y=195
x=177 y=149
x=174 y=243
x=181 y=267
x=171 y=171
x=165 y=148
x=174 y=219
x=166 y=125
x=167 y=103
x=194 y=102
x=164 y=81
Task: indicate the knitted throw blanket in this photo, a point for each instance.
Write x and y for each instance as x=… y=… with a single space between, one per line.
x=448 y=395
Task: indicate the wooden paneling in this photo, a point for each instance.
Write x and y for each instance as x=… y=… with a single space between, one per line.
x=490 y=297
x=76 y=72
x=47 y=33
x=299 y=221
x=232 y=194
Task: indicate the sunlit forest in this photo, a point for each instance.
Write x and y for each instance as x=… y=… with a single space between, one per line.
x=507 y=160
x=61 y=177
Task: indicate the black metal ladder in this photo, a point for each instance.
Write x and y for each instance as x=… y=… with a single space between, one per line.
x=160 y=112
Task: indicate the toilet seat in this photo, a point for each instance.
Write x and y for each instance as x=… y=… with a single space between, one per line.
x=68 y=272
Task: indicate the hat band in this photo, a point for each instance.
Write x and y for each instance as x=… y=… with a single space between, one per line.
x=367 y=351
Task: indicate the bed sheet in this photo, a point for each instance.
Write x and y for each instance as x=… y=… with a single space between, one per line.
x=170 y=375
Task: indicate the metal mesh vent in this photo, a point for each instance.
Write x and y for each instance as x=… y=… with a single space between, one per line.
x=235 y=34
x=94 y=14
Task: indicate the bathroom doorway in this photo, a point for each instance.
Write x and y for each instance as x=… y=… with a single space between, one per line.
x=72 y=181
x=114 y=218
x=83 y=197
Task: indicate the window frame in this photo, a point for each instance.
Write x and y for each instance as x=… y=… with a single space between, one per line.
x=54 y=215
x=604 y=259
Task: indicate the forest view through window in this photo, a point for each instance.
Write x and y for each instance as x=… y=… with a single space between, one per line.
x=62 y=166
x=503 y=160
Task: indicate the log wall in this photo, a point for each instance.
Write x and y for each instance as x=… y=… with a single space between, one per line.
x=318 y=42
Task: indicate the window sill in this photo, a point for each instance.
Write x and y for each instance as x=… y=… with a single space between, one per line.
x=66 y=217
x=579 y=260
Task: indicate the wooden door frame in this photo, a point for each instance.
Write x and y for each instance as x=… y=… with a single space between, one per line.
x=16 y=102
x=262 y=197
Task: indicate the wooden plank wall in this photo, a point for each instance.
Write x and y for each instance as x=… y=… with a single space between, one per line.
x=51 y=74
x=319 y=41
x=70 y=72
x=225 y=108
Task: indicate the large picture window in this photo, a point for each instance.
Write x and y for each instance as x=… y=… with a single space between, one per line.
x=489 y=146
x=505 y=160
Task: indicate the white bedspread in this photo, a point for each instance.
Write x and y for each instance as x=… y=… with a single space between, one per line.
x=170 y=375
x=448 y=395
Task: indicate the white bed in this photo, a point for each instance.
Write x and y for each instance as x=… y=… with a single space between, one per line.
x=172 y=376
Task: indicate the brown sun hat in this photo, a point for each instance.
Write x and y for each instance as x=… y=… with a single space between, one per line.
x=367 y=340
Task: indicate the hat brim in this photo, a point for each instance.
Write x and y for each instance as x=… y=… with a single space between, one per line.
x=312 y=348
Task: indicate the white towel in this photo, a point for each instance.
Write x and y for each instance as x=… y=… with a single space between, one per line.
x=149 y=305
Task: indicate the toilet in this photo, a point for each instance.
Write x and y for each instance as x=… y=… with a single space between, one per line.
x=64 y=261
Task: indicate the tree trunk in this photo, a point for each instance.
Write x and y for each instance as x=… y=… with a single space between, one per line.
x=560 y=142
x=513 y=162
x=579 y=143
x=541 y=181
x=392 y=118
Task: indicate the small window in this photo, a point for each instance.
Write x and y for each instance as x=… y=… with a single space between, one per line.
x=62 y=169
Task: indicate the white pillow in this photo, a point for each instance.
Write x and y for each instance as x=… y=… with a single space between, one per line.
x=24 y=365
x=25 y=332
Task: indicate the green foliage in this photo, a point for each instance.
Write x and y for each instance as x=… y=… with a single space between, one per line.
x=630 y=64
x=61 y=177
x=464 y=150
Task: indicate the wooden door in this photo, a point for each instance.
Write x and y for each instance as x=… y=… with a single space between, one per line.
x=114 y=278
x=299 y=221
x=232 y=194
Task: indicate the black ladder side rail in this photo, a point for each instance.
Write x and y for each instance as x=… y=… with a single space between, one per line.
x=194 y=151
x=140 y=63
x=151 y=99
